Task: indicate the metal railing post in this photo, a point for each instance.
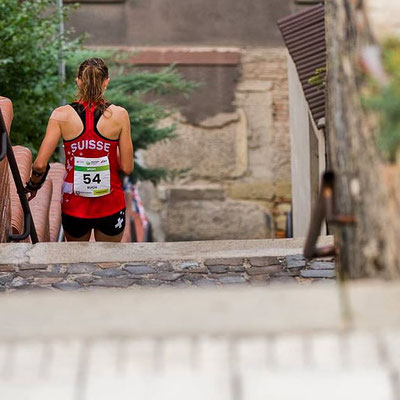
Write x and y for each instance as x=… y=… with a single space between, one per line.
x=29 y=226
x=324 y=209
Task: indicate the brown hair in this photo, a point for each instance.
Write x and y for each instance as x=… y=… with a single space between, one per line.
x=92 y=72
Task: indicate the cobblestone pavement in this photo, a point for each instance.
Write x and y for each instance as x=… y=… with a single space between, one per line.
x=180 y=273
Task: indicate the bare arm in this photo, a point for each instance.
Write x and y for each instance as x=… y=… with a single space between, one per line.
x=125 y=145
x=47 y=148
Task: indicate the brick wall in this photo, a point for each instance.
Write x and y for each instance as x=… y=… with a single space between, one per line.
x=5 y=213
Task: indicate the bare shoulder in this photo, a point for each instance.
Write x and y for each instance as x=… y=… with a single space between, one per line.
x=61 y=113
x=118 y=111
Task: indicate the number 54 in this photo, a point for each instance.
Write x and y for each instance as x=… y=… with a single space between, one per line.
x=87 y=180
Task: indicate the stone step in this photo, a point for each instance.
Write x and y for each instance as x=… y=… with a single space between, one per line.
x=80 y=266
x=285 y=343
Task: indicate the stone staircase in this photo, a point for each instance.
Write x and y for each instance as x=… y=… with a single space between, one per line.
x=84 y=266
x=288 y=342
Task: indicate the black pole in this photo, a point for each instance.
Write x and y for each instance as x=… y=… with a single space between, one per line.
x=29 y=226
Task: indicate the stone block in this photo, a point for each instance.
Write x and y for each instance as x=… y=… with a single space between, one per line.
x=283 y=190
x=40 y=273
x=189 y=265
x=148 y=282
x=7 y=268
x=208 y=153
x=232 y=279
x=256 y=190
x=31 y=266
x=47 y=280
x=295 y=261
x=169 y=276
x=108 y=265
x=270 y=270
x=322 y=265
x=6 y=278
x=263 y=261
x=205 y=283
x=66 y=286
x=213 y=220
x=110 y=272
x=139 y=269
x=81 y=268
x=218 y=269
x=198 y=192
x=113 y=282
x=19 y=282
x=309 y=273
x=269 y=64
x=254 y=85
x=224 y=261
x=82 y=279
x=198 y=270
x=257 y=108
x=164 y=266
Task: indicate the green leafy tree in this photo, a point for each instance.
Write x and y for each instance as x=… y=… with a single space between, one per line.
x=30 y=51
x=384 y=101
x=30 y=48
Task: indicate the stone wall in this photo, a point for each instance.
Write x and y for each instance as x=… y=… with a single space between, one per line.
x=233 y=132
x=239 y=179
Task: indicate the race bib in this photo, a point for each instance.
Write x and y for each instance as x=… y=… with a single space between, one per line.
x=92 y=176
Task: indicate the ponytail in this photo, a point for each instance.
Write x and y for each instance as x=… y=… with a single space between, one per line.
x=93 y=72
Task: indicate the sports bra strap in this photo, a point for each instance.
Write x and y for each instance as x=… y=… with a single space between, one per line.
x=80 y=110
x=89 y=118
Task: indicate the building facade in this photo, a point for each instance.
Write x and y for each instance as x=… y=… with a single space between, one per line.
x=233 y=131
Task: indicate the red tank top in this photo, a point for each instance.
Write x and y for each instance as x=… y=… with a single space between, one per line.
x=91 y=145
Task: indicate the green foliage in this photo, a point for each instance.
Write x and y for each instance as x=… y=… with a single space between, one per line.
x=30 y=52
x=30 y=47
x=385 y=101
x=319 y=78
x=128 y=85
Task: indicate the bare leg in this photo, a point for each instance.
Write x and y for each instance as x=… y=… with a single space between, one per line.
x=101 y=237
x=84 y=238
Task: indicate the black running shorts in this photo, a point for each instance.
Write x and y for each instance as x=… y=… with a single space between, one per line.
x=77 y=227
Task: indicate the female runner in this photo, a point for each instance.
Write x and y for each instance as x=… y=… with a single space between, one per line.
x=97 y=145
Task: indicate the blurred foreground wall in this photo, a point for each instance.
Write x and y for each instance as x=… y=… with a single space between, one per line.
x=366 y=187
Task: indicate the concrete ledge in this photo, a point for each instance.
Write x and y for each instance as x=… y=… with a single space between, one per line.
x=63 y=253
x=229 y=312
x=145 y=56
x=166 y=312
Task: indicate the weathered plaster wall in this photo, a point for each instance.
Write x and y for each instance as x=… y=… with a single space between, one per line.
x=233 y=132
x=238 y=185
x=187 y=23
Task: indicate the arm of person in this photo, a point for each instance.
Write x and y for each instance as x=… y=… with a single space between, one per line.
x=47 y=148
x=125 y=145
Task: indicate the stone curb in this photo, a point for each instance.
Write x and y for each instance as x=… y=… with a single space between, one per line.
x=253 y=271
